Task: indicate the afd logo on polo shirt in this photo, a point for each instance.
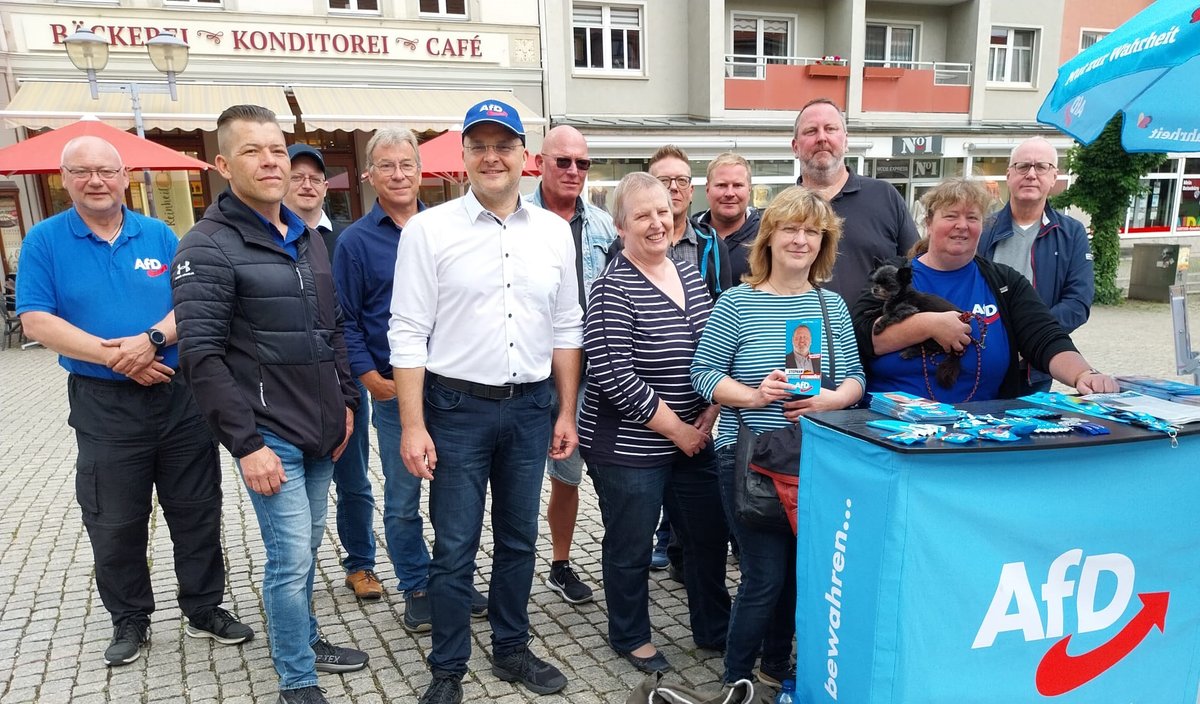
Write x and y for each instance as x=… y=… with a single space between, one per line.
x=150 y=265
x=1102 y=590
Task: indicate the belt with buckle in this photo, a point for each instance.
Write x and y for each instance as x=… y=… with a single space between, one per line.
x=492 y=393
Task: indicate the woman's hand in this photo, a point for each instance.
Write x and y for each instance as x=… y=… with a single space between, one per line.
x=949 y=331
x=1093 y=382
x=704 y=422
x=774 y=387
x=826 y=400
x=689 y=438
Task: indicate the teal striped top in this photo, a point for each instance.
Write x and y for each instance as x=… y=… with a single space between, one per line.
x=746 y=339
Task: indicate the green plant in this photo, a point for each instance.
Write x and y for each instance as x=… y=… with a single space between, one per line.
x=1106 y=179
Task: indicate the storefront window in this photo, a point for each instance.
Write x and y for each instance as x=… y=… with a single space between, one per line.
x=1189 y=204
x=989 y=166
x=764 y=168
x=1152 y=207
x=615 y=169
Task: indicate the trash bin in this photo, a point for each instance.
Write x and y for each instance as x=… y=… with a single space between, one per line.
x=1155 y=268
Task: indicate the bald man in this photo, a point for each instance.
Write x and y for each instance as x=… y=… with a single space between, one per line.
x=93 y=288
x=1050 y=248
x=564 y=164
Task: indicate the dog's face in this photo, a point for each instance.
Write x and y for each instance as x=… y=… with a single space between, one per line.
x=884 y=282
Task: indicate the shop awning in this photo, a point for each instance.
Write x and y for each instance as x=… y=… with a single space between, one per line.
x=41 y=104
x=348 y=108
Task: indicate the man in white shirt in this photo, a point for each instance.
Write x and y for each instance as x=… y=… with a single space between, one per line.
x=485 y=306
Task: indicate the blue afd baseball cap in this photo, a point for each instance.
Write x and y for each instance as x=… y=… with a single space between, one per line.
x=497 y=113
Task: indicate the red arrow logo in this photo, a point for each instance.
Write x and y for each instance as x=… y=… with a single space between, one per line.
x=1059 y=673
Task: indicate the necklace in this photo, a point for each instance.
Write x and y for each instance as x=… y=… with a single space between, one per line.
x=767 y=283
x=116 y=233
x=965 y=317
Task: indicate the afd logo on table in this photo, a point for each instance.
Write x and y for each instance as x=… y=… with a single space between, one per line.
x=1102 y=589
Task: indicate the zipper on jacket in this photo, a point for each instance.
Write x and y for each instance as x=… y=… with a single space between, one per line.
x=262 y=394
x=300 y=278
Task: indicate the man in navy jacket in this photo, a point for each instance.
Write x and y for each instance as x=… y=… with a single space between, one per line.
x=1050 y=248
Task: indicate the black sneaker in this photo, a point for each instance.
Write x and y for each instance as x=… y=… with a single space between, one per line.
x=127 y=641
x=418 y=616
x=538 y=676
x=774 y=674
x=220 y=625
x=331 y=658
x=446 y=688
x=304 y=695
x=478 y=603
x=562 y=579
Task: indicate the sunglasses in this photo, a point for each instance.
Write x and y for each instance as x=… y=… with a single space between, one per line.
x=564 y=163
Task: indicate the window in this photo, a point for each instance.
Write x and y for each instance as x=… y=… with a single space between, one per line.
x=198 y=3
x=451 y=8
x=1010 y=56
x=1089 y=37
x=355 y=5
x=607 y=37
x=758 y=41
x=891 y=45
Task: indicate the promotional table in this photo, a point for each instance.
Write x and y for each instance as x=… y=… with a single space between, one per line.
x=1056 y=568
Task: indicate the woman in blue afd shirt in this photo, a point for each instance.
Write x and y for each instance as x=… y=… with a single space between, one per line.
x=1005 y=317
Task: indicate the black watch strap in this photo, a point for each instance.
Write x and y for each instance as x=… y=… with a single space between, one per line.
x=157 y=338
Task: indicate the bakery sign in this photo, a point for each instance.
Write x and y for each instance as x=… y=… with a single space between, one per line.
x=225 y=38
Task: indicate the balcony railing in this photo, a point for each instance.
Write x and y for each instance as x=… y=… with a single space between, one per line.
x=945 y=73
x=754 y=66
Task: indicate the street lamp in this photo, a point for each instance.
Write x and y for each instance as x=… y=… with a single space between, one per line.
x=168 y=53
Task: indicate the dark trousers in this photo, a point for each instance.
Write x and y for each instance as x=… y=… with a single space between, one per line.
x=131 y=439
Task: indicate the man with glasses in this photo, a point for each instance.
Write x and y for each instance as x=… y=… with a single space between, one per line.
x=355 y=505
x=92 y=288
x=564 y=164
x=727 y=189
x=1050 y=248
x=691 y=241
x=485 y=308
x=877 y=226
x=364 y=269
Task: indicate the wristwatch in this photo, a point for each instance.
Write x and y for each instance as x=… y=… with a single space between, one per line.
x=158 y=339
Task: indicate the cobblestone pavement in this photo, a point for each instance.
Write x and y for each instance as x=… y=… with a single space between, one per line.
x=53 y=629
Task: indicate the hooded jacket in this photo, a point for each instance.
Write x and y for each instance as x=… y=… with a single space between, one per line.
x=260 y=338
x=738 y=242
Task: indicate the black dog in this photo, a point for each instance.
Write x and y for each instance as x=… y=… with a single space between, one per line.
x=892 y=285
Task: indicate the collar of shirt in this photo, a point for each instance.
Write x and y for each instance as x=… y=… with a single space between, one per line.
x=474 y=208
x=295 y=226
x=689 y=234
x=129 y=226
x=325 y=224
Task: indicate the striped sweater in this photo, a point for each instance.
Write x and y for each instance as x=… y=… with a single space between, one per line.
x=746 y=338
x=639 y=348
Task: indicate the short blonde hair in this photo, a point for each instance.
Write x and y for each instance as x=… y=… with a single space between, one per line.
x=796 y=204
x=729 y=159
x=955 y=191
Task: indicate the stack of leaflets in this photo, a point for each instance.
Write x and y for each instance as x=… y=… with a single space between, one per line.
x=905 y=406
x=1166 y=389
x=1169 y=411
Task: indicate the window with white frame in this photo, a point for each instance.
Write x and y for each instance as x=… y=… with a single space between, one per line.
x=194 y=3
x=758 y=41
x=891 y=45
x=607 y=37
x=1089 y=37
x=445 y=8
x=355 y=5
x=1011 y=54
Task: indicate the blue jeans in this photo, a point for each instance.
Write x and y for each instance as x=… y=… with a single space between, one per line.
x=355 y=504
x=481 y=442
x=764 y=612
x=630 y=499
x=402 y=523
x=292 y=523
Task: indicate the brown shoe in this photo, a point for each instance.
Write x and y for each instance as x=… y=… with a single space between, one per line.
x=365 y=584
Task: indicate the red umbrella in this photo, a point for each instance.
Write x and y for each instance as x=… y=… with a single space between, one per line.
x=441 y=157
x=42 y=154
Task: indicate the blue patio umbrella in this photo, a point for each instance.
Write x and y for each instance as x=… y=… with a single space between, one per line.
x=1149 y=69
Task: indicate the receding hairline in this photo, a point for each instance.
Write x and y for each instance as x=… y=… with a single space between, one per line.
x=83 y=140
x=1034 y=140
x=563 y=134
x=392 y=137
x=813 y=103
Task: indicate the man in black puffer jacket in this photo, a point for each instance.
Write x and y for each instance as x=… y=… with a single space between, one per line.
x=260 y=342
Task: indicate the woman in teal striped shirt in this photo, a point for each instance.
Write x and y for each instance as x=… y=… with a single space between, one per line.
x=739 y=363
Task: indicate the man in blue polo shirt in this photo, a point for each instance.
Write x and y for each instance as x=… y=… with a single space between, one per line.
x=93 y=287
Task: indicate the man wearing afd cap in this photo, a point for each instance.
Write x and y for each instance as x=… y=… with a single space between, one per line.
x=485 y=307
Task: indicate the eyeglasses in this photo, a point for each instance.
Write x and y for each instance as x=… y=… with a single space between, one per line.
x=315 y=180
x=680 y=182
x=501 y=150
x=1041 y=168
x=86 y=174
x=791 y=231
x=564 y=162
x=387 y=168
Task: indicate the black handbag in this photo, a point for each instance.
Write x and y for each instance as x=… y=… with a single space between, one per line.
x=755 y=500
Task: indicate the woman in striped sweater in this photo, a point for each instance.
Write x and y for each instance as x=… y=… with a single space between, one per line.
x=645 y=433
x=739 y=364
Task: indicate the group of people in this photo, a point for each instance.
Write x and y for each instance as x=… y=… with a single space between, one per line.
x=493 y=340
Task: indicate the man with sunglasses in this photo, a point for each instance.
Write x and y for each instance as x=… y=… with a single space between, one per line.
x=1050 y=248
x=93 y=287
x=564 y=164
x=485 y=309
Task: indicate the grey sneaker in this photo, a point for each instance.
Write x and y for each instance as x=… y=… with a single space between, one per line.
x=332 y=658
x=128 y=639
x=304 y=695
x=418 y=616
x=220 y=625
x=446 y=688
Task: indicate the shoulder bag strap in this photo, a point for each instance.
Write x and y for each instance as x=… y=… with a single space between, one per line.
x=828 y=335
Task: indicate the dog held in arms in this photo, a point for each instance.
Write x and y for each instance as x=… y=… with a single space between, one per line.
x=892 y=285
